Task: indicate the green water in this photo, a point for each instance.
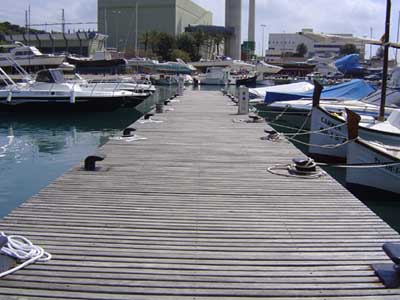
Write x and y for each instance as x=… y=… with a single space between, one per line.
x=36 y=149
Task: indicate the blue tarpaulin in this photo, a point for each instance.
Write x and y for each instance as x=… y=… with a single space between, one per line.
x=352 y=90
x=349 y=64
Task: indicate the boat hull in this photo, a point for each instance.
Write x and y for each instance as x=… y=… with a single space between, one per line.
x=334 y=134
x=321 y=119
x=384 y=178
x=285 y=117
x=61 y=104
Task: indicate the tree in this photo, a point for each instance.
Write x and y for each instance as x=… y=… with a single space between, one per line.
x=200 y=37
x=218 y=39
x=185 y=42
x=145 y=40
x=166 y=44
x=301 y=50
x=154 y=37
x=380 y=52
x=177 y=53
x=348 y=49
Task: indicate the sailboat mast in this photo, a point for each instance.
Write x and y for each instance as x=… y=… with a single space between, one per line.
x=385 y=61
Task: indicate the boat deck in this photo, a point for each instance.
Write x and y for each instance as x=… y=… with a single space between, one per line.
x=192 y=213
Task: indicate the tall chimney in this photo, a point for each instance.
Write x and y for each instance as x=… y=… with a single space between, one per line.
x=252 y=21
x=233 y=19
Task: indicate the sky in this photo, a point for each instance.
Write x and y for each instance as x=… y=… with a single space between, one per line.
x=329 y=16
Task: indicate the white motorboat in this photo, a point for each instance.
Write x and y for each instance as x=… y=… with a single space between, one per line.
x=28 y=57
x=51 y=92
x=216 y=76
x=384 y=172
x=297 y=87
x=139 y=91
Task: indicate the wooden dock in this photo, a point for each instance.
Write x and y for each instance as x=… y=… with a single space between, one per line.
x=192 y=213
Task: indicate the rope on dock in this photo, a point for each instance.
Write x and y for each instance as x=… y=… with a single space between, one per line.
x=23 y=249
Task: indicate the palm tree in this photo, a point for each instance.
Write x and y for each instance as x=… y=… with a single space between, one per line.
x=145 y=40
x=154 y=38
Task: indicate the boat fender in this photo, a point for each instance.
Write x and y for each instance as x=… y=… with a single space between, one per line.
x=9 y=97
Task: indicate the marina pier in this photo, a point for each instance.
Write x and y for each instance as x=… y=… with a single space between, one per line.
x=190 y=212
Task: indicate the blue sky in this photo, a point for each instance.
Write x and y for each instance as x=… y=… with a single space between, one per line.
x=343 y=16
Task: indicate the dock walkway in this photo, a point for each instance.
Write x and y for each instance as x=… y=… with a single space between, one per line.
x=192 y=213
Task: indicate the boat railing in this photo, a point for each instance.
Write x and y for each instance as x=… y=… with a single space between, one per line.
x=24 y=74
x=6 y=79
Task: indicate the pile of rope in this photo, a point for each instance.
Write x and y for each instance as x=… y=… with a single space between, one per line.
x=24 y=250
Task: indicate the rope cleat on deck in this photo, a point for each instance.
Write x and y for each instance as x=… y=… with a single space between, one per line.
x=90 y=161
x=389 y=273
x=128 y=132
x=303 y=166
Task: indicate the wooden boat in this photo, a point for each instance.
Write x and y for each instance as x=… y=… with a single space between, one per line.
x=329 y=136
x=362 y=152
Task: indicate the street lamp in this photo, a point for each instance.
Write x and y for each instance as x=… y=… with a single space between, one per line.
x=263 y=39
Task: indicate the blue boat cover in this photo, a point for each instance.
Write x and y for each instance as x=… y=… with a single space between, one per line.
x=352 y=90
x=349 y=64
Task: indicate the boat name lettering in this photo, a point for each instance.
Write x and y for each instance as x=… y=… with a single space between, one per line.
x=330 y=123
x=391 y=169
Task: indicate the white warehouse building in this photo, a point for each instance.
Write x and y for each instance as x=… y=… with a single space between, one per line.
x=318 y=44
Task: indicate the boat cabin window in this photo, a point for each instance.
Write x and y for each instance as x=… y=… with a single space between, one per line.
x=50 y=76
x=23 y=53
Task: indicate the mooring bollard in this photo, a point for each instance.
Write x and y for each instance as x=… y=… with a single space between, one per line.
x=159 y=108
x=148 y=116
x=128 y=132
x=181 y=85
x=243 y=104
x=90 y=161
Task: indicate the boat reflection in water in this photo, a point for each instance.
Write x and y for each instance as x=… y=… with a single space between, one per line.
x=35 y=148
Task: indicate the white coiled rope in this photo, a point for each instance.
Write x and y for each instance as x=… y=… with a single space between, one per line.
x=22 y=249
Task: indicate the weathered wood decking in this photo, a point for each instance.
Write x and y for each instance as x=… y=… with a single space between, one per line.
x=191 y=213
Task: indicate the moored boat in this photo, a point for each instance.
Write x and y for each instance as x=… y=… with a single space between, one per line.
x=51 y=92
x=372 y=165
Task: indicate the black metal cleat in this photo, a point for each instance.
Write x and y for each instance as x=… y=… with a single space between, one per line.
x=389 y=274
x=304 y=165
x=255 y=118
x=128 y=132
x=148 y=116
x=270 y=131
x=166 y=102
x=90 y=161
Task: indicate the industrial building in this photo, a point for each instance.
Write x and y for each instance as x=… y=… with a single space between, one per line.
x=125 y=21
x=318 y=44
x=84 y=43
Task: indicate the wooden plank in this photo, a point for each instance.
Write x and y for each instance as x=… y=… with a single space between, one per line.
x=191 y=212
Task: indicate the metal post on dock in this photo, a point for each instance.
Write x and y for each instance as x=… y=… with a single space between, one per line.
x=181 y=85
x=243 y=103
x=159 y=108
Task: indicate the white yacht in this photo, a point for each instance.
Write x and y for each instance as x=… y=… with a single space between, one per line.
x=216 y=76
x=51 y=92
x=28 y=57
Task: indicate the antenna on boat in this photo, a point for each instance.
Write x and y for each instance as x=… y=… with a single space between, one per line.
x=386 y=45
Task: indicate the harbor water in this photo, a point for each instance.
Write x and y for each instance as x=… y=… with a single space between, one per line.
x=36 y=149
